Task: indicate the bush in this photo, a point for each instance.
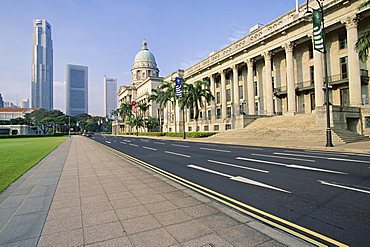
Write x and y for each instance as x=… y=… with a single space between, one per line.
x=191 y=134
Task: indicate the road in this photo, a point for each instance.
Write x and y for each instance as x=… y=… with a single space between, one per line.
x=326 y=192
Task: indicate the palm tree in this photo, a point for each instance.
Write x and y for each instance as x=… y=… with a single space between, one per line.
x=125 y=111
x=170 y=95
x=194 y=96
x=162 y=98
x=363 y=43
x=144 y=107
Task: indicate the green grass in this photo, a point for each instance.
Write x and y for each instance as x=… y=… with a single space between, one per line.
x=20 y=154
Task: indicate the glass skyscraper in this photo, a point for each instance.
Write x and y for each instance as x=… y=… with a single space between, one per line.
x=110 y=96
x=42 y=66
x=76 y=89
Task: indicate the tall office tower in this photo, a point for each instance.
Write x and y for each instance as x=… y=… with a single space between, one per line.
x=1 y=101
x=42 y=66
x=110 y=96
x=25 y=103
x=76 y=89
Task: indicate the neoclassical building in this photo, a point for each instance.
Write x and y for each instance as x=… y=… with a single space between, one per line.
x=274 y=70
x=144 y=78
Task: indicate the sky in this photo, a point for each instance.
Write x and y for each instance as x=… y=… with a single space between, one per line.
x=105 y=35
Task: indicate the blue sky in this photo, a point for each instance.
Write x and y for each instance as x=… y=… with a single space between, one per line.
x=105 y=35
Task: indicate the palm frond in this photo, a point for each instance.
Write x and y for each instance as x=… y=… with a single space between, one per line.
x=362 y=46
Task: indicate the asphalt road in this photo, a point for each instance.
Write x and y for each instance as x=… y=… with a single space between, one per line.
x=326 y=192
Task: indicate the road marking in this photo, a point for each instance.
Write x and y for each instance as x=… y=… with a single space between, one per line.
x=210 y=171
x=350 y=160
x=239 y=206
x=344 y=187
x=126 y=140
x=279 y=157
x=123 y=142
x=246 y=148
x=216 y=150
x=178 y=145
x=183 y=155
x=162 y=143
x=262 y=161
x=107 y=141
x=291 y=165
x=207 y=144
x=238 y=166
x=256 y=183
x=322 y=157
x=320 y=152
x=150 y=148
x=143 y=140
x=315 y=169
x=239 y=178
x=133 y=145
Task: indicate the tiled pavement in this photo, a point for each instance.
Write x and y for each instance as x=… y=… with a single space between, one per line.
x=104 y=200
x=25 y=203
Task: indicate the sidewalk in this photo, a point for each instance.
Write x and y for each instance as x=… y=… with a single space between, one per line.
x=104 y=200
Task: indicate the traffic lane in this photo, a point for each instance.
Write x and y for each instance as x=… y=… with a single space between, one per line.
x=295 y=211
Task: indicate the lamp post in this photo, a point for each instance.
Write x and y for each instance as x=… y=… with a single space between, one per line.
x=319 y=45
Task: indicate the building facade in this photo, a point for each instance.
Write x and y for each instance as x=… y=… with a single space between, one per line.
x=25 y=103
x=110 y=96
x=76 y=89
x=42 y=66
x=274 y=70
x=1 y=101
x=144 y=78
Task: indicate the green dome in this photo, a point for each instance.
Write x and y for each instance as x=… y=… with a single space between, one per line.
x=144 y=56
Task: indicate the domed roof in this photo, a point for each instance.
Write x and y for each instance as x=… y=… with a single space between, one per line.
x=145 y=58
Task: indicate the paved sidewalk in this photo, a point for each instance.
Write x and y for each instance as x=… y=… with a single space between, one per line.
x=25 y=203
x=105 y=200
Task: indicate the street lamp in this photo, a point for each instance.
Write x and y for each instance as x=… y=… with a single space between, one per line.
x=319 y=45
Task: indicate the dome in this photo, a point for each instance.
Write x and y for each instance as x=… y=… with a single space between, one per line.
x=145 y=58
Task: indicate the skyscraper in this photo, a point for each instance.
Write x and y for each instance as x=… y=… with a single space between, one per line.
x=1 y=101
x=25 y=103
x=110 y=95
x=76 y=89
x=42 y=66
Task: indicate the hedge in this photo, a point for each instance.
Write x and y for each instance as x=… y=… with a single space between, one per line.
x=173 y=134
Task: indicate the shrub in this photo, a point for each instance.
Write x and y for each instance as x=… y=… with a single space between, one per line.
x=26 y=136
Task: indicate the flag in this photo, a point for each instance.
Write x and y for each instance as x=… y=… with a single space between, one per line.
x=178 y=81
x=318 y=31
x=133 y=106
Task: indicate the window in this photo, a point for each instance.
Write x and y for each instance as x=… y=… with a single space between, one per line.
x=228 y=95
x=209 y=114
x=228 y=78
x=218 y=113
x=254 y=69
x=240 y=75
x=189 y=128
x=255 y=88
x=227 y=126
x=310 y=50
x=228 y=112
x=241 y=92
x=218 y=98
x=216 y=127
x=200 y=115
x=206 y=128
x=312 y=74
x=367 y=122
x=256 y=106
x=343 y=68
x=217 y=81
x=342 y=38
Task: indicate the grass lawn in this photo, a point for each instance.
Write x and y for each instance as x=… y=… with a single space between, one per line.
x=20 y=154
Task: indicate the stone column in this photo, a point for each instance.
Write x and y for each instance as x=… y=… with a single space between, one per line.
x=213 y=102
x=236 y=105
x=353 y=62
x=250 y=82
x=290 y=77
x=268 y=84
x=245 y=88
x=223 y=95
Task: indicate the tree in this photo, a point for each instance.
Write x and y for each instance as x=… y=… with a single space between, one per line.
x=170 y=94
x=363 y=42
x=153 y=124
x=162 y=98
x=143 y=107
x=194 y=96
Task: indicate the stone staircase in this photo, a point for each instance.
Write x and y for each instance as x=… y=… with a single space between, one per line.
x=297 y=128
x=349 y=136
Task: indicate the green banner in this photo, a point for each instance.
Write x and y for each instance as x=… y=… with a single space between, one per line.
x=318 y=31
